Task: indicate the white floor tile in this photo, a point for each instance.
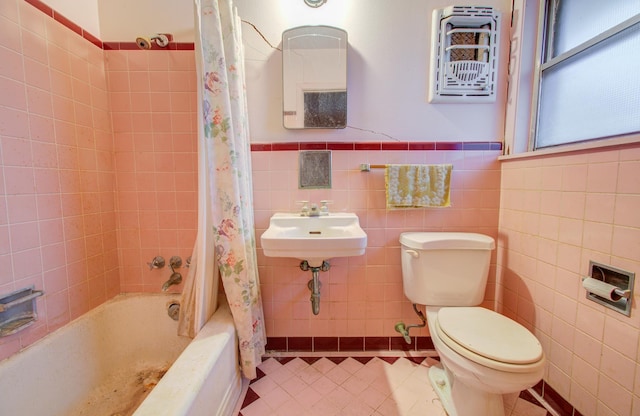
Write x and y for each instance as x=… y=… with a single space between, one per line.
x=290 y=408
x=325 y=407
x=280 y=375
x=323 y=385
x=355 y=385
x=351 y=388
x=350 y=365
x=309 y=374
x=257 y=408
x=525 y=408
x=276 y=397
x=296 y=365
x=269 y=365
x=372 y=397
x=294 y=385
x=308 y=397
x=357 y=408
x=340 y=397
x=338 y=375
x=263 y=386
x=323 y=365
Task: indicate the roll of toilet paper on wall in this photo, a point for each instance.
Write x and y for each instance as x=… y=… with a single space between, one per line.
x=600 y=288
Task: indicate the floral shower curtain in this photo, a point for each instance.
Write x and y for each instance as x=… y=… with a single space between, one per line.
x=224 y=130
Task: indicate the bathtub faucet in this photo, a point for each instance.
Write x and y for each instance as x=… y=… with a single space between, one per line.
x=175 y=279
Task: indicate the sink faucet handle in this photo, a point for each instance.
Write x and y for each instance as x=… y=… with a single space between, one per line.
x=324 y=208
x=304 y=210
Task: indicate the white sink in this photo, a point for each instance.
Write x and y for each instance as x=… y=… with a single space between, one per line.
x=314 y=238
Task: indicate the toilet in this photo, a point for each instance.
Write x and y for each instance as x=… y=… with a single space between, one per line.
x=483 y=354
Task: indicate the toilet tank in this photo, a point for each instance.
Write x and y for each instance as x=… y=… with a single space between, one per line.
x=445 y=269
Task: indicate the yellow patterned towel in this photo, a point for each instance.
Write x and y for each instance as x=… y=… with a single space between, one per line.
x=414 y=186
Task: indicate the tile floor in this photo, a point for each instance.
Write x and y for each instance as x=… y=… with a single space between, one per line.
x=378 y=386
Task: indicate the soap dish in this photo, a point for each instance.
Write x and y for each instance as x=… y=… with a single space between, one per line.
x=18 y=310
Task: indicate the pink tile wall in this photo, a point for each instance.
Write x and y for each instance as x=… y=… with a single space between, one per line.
x=57 y=182
x=557 y=213
x=153 y=103
x=363 y=296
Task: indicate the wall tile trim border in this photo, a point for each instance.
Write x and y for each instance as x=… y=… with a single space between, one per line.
x=44 y=8
x=60 y=18
x=274 y=147
x=132 y=46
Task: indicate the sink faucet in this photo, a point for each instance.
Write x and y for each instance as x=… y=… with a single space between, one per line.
x=313 y=210
x=175 y=279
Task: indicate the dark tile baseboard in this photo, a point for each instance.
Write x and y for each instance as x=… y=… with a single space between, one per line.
x=555 y=400
x=350 y=344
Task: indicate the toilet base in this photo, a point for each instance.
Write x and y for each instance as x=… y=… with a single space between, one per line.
x=461 y=400
x=441 y=386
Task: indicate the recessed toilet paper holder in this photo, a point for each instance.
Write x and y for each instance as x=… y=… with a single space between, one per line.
x=610 y=287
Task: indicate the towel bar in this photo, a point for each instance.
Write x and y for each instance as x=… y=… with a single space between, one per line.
x=366 y=167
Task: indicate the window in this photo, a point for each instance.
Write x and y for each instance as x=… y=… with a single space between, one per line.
x=589 y=80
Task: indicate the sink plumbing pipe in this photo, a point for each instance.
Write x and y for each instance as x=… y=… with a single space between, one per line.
x=314 y=284
x=404 y=329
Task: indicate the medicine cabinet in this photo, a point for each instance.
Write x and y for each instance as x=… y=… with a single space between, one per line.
x=314 y=77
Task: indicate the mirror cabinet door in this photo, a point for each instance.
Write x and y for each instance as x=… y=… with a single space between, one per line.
x=314 y=77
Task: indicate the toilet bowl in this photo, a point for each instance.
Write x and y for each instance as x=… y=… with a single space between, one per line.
x=483 y=354
x=478 y=369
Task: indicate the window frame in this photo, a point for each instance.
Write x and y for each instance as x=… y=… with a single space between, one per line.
x=545 y=60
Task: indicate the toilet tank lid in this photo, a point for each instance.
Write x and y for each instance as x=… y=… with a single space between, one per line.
x=446 y=241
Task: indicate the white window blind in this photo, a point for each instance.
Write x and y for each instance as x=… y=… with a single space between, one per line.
x=589 y=85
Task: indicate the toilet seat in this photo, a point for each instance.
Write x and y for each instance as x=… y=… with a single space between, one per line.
x=489 y=339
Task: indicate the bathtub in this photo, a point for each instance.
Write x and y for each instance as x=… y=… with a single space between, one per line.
x=104 y=362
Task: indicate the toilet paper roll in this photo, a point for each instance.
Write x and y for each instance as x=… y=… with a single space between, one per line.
x=602 y=289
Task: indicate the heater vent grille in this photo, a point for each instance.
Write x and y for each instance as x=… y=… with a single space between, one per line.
x=464 y=55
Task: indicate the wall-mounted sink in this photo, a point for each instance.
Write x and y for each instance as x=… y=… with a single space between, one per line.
x=314 y=238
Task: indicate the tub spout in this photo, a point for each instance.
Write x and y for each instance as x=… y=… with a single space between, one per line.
x=175 y=279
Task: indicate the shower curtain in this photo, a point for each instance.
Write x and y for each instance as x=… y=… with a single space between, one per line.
x=225 y=175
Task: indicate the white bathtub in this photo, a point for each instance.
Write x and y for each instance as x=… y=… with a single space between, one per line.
x=112 y=352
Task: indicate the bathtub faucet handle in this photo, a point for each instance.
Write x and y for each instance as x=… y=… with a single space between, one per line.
x=156 y=263
x=175 y=262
